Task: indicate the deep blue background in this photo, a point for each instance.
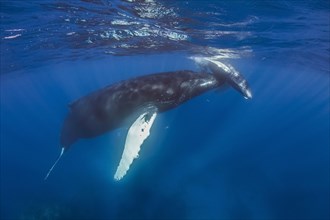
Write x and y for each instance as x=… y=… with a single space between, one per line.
x=218 y=156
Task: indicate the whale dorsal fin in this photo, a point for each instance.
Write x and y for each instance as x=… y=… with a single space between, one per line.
x=137 y=133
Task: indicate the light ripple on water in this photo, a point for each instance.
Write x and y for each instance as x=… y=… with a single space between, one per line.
x=99 y=28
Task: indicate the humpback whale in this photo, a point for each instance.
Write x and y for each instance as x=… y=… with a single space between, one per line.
x=136 y=102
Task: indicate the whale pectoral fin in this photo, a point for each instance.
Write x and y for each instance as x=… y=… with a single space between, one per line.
x=137 y=133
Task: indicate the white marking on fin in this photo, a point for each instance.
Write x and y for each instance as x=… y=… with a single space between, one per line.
x=137 y=133
x=59 y=157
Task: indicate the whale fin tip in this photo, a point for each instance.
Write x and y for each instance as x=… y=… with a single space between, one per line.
x=51 y=169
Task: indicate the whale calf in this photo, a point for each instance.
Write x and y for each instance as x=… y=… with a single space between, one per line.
x=136 y=102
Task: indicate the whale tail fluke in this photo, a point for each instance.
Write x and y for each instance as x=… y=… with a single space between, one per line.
x=59 y=157
x=225 y=73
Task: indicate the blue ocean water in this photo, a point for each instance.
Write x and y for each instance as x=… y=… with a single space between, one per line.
x=217 y=156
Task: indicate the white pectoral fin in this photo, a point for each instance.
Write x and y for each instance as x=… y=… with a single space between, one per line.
x=137 y=133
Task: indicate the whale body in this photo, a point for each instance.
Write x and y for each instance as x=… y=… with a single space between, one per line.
x=137 y=102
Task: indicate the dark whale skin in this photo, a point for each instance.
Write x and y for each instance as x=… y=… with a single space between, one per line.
x=111 y=107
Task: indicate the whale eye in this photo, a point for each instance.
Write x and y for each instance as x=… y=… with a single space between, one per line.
x=142 y=130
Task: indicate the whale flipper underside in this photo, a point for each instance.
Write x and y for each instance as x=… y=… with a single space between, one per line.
x=137 y=133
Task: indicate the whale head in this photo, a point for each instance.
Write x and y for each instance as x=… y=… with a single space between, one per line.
x=227 y=73
x=238 y=82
